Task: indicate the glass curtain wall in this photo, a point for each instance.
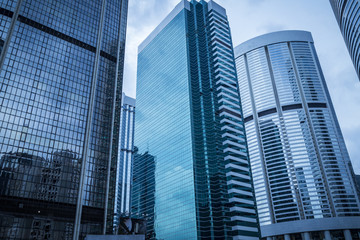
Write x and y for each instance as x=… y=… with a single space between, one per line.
x=60 y=65
x=300 y=165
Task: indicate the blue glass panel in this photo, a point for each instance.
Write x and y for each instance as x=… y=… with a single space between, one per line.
x=163 y=129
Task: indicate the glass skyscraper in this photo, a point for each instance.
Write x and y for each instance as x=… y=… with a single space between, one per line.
x=347 y=15
x=189 y=120
x=61 y=67
x=303 y=177
x=123 y=180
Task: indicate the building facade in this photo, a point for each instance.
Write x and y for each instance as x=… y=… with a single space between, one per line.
x=125 y=156
x=189 y=119
x=143 y=190
x=347 y=15
x=357 y=181
x=301 y=168
x=61 y=67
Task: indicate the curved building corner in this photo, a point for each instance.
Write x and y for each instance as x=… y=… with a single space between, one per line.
x=303 y=177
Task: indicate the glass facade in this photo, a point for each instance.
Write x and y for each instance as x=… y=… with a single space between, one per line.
x=189 y=119
x=1 y=45
x=125 y=156
x=60 y=87
x=357 y=180
x=163 y=129
x=300 y=165
x=143 y=190
x=347 y=13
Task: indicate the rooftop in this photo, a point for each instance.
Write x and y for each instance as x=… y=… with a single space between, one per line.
x=184 y=4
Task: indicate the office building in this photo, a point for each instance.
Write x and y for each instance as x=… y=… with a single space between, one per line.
x=300 y=165
x=347 y=15
x=61 y=67
x=189 y=119
x=124 y=165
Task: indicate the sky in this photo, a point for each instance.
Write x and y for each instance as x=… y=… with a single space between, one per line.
x=251 y=18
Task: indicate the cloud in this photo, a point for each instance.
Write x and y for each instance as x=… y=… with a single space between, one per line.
x=143 y=17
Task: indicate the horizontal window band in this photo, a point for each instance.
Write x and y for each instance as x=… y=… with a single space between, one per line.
x=60 y=210
x=267 y=112
x=285 y=108
x=249 y=118
x=230 y=112
x=223 y=43
x=317 y=105
x=57 y=34
x=292 y=107
x=6 y=12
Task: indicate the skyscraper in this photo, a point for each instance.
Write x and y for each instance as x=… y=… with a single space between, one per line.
x=125 y=156
x=189 y=119
x=301 y=168
x=61 y=67
x=347 y=16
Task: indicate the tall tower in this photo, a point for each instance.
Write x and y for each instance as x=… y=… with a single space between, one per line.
x=300 y=165
x=123 y=180
x=189 y=119
x=61 y=67
x=347 y=16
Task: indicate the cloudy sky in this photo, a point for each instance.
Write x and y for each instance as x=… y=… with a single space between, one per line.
x=250 y=18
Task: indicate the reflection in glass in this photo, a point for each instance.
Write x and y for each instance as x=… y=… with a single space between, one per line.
x=45 y=82
x=190 y=119
x=143 y=190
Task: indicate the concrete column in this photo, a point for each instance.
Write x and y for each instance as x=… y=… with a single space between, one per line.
x=327 y=235
x=307 y=236
x=287 y=237
x=347 y=235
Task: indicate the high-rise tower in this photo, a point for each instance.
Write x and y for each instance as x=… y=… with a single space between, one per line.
x=189 y=119
x=301 y=168
x=123 y=180
x=61 y=67
x=347 y=15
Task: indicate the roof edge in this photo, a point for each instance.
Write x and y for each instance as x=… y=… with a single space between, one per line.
x=184 y=4
x=271 y=38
